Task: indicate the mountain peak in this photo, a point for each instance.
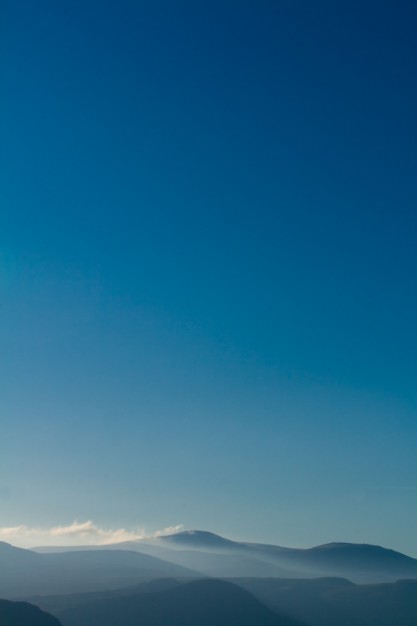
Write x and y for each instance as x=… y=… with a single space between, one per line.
x=200 y=538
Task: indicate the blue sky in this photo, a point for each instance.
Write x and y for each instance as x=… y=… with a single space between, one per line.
x=208 y=268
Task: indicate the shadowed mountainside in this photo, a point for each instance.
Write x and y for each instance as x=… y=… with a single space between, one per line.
x=338 y=602
x=319 y=602
x=56 y=604
x=202 y=603
x=24 y=614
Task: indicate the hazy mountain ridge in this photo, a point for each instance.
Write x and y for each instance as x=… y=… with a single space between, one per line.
x=359 y=562
x=24 y=572
x=213 y=555
x=76 y=584
x=217 y=562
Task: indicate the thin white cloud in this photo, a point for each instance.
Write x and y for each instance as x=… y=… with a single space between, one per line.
x=77 y=533
x=169 y=530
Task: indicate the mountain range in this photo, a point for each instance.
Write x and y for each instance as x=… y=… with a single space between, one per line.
x=197 y=578
x=197 y=603
x=25 y=572
x=216 y=556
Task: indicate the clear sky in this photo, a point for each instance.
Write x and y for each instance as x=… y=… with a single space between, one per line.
x=208 y=267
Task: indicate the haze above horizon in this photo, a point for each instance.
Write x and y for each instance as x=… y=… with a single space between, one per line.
x=208 y=269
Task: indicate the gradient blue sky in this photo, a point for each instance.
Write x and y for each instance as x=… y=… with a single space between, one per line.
x=208 y=267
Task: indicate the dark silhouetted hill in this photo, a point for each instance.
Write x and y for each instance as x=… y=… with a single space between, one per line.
x=199 y=603
x=57 y=603
x=338 y=602
x=318 y=602
x=24 y=614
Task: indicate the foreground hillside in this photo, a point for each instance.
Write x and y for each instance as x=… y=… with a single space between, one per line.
x=199 y=603
x=318 y=602
x=338 y=602
x=24 y=614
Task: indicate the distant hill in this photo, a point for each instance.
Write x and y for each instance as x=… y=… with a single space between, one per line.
x=360 y=563
x=24 y=572
x=12 y=558
x=199 y=603
x=24 y=614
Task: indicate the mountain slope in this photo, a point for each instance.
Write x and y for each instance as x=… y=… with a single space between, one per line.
x=24 y=614
x=202 y=603
x=24 y=573
x=56 y=604
x=338 y=602
x=217 y=563
x=318 y=602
